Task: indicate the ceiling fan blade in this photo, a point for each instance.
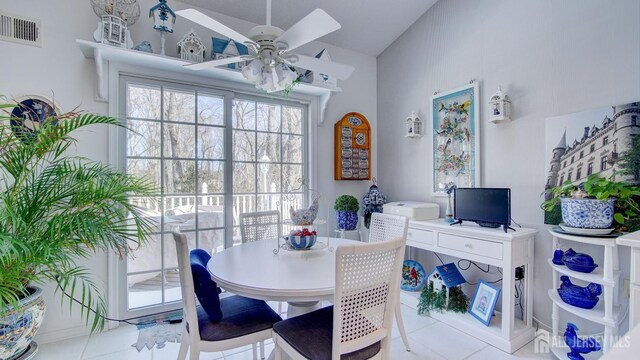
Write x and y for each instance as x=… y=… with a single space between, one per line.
x=313 y=26
x=339 y=71
x=204 y=20
x=214 y=63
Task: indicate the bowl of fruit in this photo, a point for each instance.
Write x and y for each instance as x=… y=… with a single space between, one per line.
x=302 y=239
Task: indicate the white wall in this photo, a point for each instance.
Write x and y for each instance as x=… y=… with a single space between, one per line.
x=552 y=57
x=59 y=68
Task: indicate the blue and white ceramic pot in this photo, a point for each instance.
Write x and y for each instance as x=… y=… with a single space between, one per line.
x=347 y=220
x=587 y=213
x=19 y=326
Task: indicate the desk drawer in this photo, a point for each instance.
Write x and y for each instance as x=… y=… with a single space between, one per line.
x=472 y=246
x=421 y=236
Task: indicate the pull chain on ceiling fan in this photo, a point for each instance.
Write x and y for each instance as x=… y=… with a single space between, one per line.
x=270 y=49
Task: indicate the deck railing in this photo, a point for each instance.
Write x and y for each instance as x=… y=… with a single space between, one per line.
x=241 y=203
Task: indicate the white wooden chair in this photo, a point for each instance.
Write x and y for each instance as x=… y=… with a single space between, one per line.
x=262 y=225
x=358 y=325
x=242 y=321
x=385 y=227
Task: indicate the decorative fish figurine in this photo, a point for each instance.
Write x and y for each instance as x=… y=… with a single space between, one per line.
x=305 y=216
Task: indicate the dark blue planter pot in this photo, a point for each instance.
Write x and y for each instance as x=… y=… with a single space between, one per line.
x=347 y=220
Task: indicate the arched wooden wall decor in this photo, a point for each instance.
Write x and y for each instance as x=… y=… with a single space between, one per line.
x=352 y=148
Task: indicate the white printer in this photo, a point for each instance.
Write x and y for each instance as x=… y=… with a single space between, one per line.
x=414 y=210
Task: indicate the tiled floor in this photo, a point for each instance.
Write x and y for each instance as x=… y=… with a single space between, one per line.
x=429 y=339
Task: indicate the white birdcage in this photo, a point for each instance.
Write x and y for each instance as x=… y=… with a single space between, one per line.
x=115 y=16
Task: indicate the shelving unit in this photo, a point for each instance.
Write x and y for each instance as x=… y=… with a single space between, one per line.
x=488 y=246
x=103 y=53
x=491 y=334
x=632 y=240
x=607 y=311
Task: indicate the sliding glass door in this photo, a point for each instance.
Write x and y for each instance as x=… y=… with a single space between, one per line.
x=212 y=155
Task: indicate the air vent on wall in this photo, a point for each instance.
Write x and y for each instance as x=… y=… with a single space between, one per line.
x=20 y=29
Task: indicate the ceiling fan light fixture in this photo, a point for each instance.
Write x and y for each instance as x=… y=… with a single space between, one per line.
x=253 y=71
x=269 y=78
x=269 y=83
x=286 y=76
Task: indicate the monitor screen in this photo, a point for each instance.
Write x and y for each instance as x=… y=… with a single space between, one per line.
x=483 y=205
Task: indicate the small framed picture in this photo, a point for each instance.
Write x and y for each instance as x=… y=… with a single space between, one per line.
x=484 y=302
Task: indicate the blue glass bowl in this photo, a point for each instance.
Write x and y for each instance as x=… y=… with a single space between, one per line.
x=579 y=262
x=578 y=301
x=580 y=267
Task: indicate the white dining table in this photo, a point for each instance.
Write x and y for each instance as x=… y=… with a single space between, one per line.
x=302 y=278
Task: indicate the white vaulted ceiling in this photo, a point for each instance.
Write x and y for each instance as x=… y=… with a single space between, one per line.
x=368 y=26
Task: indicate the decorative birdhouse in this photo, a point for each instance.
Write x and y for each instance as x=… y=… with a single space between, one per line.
x=499 y=107
x=414 y=126
x=163 y=17
x=222 y=49
x=191 y=47
x=445 y=277
x=318 y=78
x=163 y=20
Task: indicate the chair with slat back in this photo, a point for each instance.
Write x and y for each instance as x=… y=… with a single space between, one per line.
x=261 y=225
x=218 y=323
x=358 y=325
x=385 y=227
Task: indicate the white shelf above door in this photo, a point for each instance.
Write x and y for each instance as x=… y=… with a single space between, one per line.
x=103 y=53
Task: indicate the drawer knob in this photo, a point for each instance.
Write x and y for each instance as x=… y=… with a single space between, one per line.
x=468 y=246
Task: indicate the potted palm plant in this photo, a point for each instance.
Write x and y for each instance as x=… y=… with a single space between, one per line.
x=596 y=203
x=346 y=207
x=54 y=210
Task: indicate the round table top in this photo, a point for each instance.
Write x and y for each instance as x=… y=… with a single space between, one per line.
x=253 y=270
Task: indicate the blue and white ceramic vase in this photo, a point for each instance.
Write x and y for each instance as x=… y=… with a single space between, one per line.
x=19 y=326
x=587 y=213
x=347 y=220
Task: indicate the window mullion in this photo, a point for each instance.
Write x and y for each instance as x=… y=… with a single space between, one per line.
x=162 y=187
x=228 y=169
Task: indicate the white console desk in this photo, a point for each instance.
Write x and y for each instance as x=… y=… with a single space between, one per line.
x=488 y=246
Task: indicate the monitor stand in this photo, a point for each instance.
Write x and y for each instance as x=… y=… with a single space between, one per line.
x=487 y=224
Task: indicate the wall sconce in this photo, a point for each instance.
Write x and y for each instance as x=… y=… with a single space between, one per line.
x=499 y=108
x=414 y=126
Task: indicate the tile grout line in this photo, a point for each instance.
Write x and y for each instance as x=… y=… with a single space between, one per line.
x=84 y=348
x=475 y=352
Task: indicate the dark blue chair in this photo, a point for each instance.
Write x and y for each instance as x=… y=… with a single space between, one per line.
x=218 y=323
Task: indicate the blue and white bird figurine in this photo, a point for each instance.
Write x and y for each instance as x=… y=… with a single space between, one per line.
x=304 y=216
x=144 y=46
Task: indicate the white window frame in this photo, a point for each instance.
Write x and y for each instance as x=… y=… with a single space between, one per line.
x=117 y=299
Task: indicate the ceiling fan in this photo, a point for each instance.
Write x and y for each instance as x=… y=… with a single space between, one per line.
x=270 y=49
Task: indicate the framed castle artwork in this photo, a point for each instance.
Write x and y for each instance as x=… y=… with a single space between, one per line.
x=602 y=141
x=456 y=137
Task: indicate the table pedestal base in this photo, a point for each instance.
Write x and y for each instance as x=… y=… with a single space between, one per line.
x=299 y=308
